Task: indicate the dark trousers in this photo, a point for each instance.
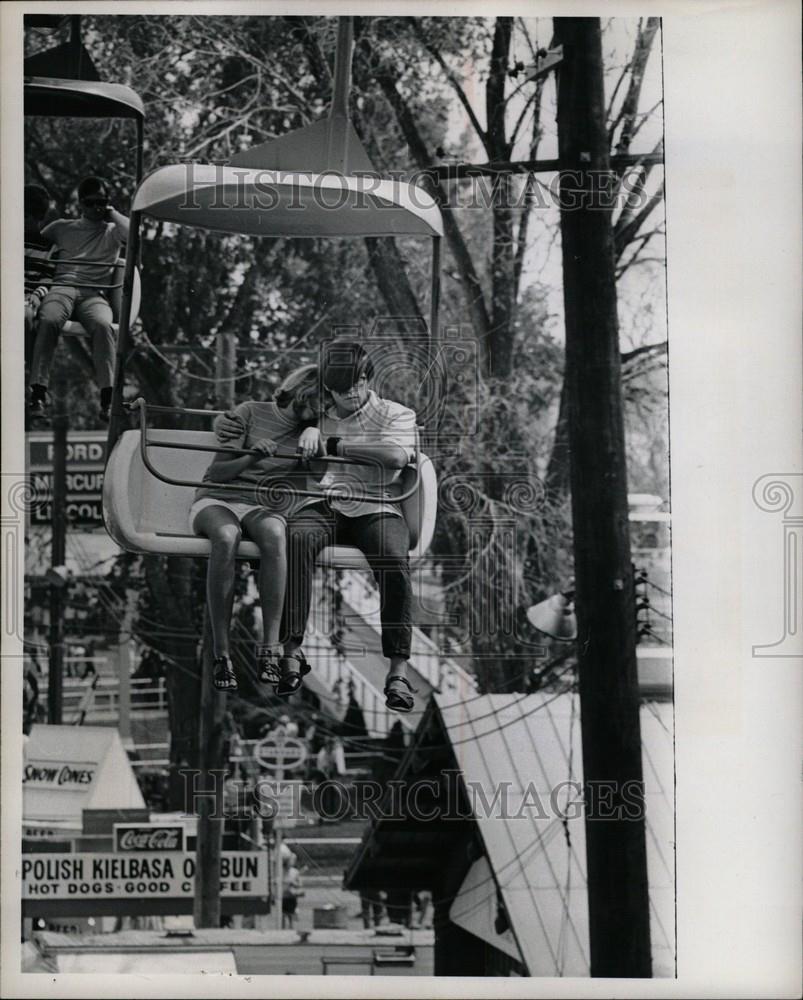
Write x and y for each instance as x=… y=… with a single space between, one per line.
x=385 y=541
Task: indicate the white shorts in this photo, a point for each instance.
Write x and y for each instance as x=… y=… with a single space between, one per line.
x=237 y=508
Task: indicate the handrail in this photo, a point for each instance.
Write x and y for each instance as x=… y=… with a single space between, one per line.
x=334 y=493
x=55 y=261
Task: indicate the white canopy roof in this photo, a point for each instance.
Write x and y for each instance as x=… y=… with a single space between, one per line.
x=80 y=99
x=263 y=202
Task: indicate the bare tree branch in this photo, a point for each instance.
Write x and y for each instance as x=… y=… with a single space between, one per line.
x=629 y=110
x=625 y=233
x=454 y=83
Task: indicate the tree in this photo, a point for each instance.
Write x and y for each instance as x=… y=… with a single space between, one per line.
x=423 y=88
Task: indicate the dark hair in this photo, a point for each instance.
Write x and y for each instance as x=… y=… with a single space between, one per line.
x=92 y=187
x=343 y=363
x=36 y=200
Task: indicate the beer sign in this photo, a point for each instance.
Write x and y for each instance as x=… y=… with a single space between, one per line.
x=139 y=837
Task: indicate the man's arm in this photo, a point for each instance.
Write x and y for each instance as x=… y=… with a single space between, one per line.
x=395 y=441
x=120 y=221
x=389 y=454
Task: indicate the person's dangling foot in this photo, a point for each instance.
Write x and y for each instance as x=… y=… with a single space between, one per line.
x=38 y=408
x=223 y=676
x=105 y=404
x=269 y=670
x=294 y=668
x=398 y=690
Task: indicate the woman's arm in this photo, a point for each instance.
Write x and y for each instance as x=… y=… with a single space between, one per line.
x=224 y=469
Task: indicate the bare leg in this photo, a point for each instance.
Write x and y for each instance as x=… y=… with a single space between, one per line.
x=270 y=535
x=222 y=528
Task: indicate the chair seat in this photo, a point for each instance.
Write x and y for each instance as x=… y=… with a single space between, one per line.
x=144 y=514
x=73 y=329
x=340 y=556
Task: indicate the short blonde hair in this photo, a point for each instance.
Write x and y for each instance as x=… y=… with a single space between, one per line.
x=298 y=386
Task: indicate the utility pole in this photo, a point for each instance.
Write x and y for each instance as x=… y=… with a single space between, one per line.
x=618 y=902
x=125 y=661
x=278 y=829
x=55 y=675
x=209 y=841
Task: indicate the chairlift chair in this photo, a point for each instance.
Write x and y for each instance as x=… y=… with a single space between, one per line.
x=315 y=182
x=48 y=97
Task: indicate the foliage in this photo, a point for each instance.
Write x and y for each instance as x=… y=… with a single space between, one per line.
x=424 y=90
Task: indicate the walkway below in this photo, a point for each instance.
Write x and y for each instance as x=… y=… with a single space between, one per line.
x=246 y=952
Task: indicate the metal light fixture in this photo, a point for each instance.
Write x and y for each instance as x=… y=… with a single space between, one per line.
x=58 y=576
x=555 y=616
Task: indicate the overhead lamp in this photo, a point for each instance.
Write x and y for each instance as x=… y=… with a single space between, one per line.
x=545 y=60
x=58 y=576
x=555 y=616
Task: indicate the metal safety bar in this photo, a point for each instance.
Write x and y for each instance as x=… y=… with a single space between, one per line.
x=334 y=493
x=54 y=262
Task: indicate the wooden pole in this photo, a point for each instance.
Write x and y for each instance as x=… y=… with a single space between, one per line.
x=209 y=840
x=55 y=674
x=210 y=730
x=118 y=421
x=615 y=828
x=125 y=650
x=461 y=171
x=278 y=830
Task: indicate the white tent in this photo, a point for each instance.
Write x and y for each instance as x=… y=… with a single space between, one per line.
x=71 y=768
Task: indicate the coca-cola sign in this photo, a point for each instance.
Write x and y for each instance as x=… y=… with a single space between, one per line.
x=133 y=837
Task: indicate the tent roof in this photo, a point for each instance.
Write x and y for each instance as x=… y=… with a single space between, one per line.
x=263 y=202
x=100 y=774
x=56 y=98
x=527 y=745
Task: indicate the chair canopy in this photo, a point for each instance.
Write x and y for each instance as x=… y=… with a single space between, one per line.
x=54 y=98
x=262 y=202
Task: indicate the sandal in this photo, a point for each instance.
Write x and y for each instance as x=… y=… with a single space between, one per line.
x=268 y=669
x=223 y=676
x=291 y=677
x=399 y=701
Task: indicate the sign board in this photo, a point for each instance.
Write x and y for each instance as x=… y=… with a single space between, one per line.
x=285 y=752
x=140 y=837
x=86 y=460
x=285 y=799
x=47 y=774
x=152 y=882
x=85 y=449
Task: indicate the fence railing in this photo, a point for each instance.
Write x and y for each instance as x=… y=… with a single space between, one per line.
x=98 y=698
